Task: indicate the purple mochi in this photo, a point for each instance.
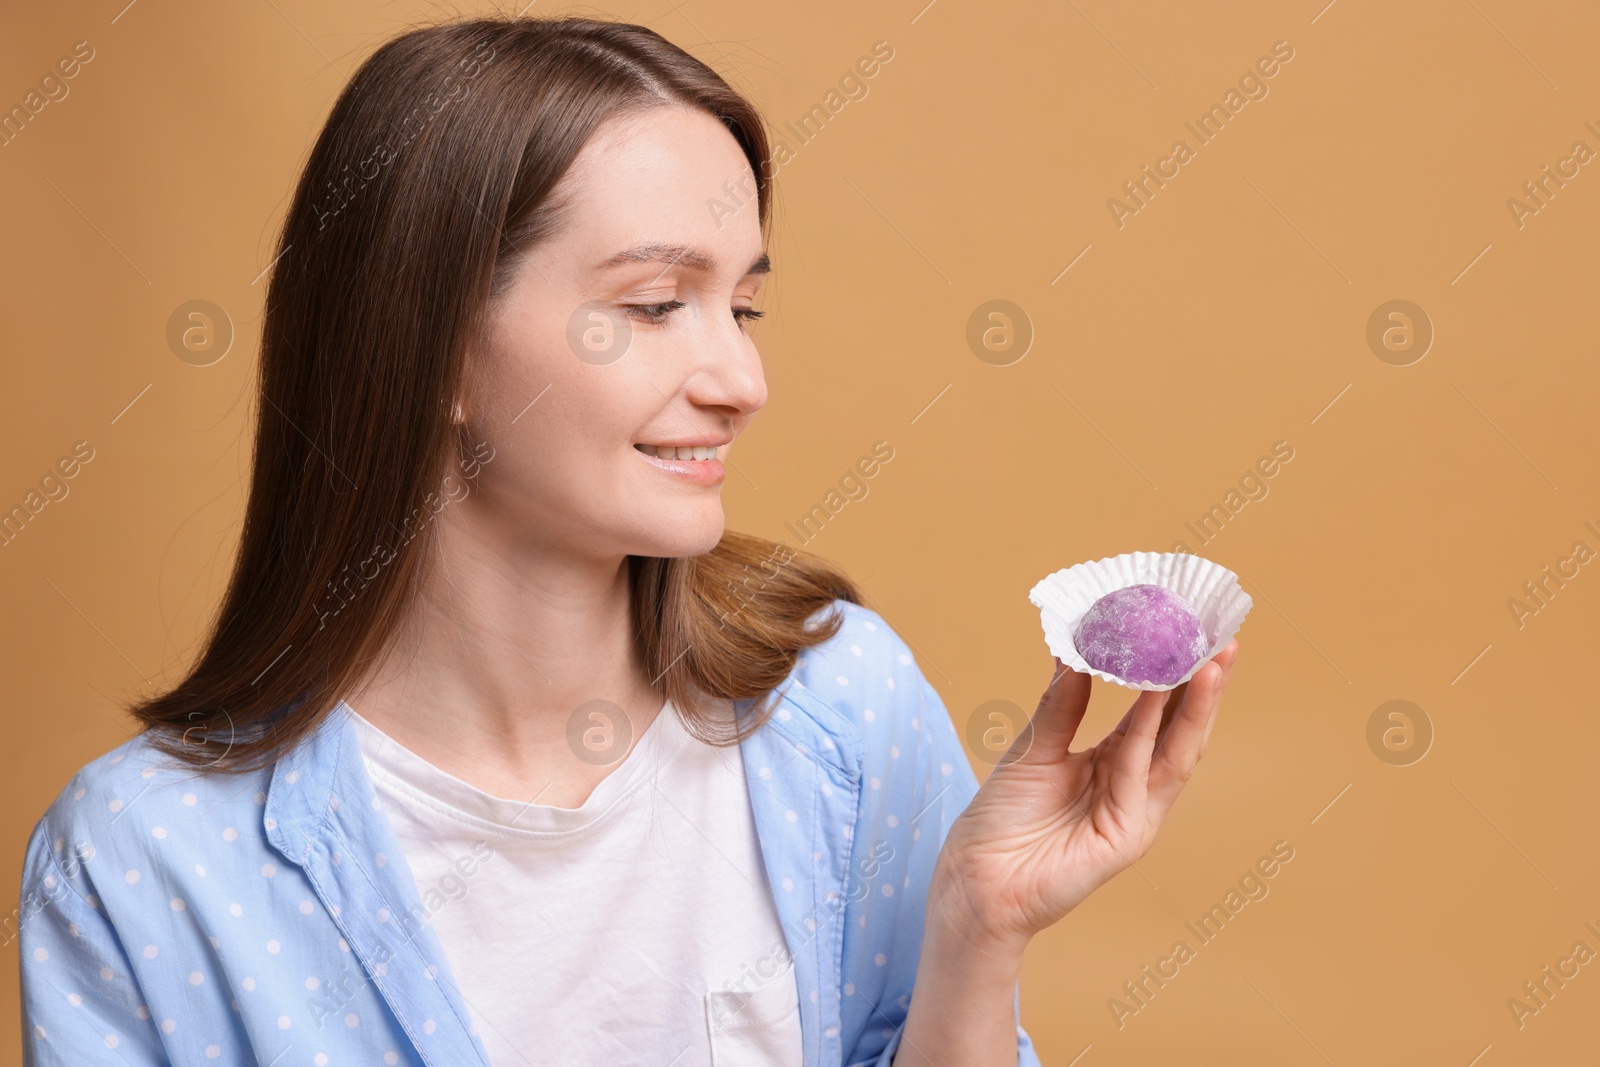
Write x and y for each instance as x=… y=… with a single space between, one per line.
x=1142 y=633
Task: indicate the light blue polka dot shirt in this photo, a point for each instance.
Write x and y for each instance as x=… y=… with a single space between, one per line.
x=168 y=917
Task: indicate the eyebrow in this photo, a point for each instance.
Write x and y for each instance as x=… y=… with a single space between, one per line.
x=689 y=256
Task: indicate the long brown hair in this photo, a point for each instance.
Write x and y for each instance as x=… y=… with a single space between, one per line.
x=431 y=176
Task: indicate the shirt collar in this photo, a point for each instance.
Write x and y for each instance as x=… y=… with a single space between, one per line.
x=319 y=813
x=804 y=773
x=803 y=769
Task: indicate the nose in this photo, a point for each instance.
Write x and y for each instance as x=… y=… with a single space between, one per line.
x=728 y=373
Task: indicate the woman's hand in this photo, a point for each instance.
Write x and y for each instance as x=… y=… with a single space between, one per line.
x=1050 y=826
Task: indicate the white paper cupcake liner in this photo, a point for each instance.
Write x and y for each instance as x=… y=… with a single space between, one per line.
x=1211 y=590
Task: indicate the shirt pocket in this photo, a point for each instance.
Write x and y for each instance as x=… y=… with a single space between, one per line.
x=756 y=1029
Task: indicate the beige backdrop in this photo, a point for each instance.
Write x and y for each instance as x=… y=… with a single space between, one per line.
x=1176 y=340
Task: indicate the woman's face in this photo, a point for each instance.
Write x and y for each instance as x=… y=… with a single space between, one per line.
x=627 y=327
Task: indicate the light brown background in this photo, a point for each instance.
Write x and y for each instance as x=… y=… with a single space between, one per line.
x=1224 y=317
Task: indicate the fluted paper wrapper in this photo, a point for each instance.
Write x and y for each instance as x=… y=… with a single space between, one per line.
x=1211 y=591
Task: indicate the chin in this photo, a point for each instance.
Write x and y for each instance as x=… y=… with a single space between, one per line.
x=692 y=534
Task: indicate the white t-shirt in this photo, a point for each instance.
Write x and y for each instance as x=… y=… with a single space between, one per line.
x=637 y=928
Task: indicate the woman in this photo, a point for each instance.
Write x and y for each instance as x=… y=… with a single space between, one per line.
x=623 y=787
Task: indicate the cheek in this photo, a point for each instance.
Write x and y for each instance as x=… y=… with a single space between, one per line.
x=532 y=368
x=570 y=452
x=562 y=427
x=526 y=359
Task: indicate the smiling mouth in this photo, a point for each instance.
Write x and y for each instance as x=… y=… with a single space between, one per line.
x=679 y=453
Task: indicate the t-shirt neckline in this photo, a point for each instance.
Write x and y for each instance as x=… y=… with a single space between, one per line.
x=413 y=776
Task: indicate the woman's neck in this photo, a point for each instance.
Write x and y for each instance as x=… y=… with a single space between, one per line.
x=496 y=656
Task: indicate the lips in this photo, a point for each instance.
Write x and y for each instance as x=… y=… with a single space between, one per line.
x=703 y=472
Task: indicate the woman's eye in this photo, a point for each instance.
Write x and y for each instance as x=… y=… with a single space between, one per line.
x=653 y=313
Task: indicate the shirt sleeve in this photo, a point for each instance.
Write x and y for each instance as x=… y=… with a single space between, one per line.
x=80 y=1002
x=916 y=781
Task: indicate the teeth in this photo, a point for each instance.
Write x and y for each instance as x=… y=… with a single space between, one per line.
x=668 y=452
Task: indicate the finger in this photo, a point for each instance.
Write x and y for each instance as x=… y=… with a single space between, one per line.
x=1127 y=716
x=1130 y=763
x=1206 y=738
x=1182 y=740
x=1225 y=657
x=1175 y=702
x=1055 y=721
x=1180 y=749
x=1107 y=748
x=1122 y=724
